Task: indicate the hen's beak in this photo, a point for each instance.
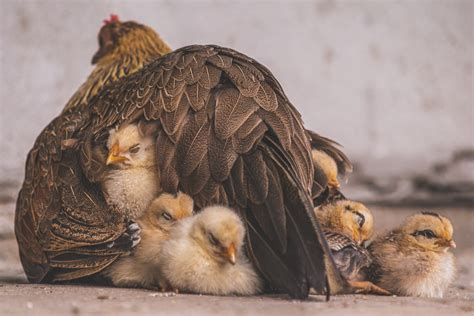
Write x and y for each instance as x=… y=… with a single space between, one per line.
x=231 y=253
x=452 y=244
x=114 y=155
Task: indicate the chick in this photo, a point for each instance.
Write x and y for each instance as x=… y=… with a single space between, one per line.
x=327 y=165
x=351 y=260
x=131 y=180
x=347 y=225
x=204 y=255
x=329 y=161
x=349 y=218
x=413 y=260
x=142 y=268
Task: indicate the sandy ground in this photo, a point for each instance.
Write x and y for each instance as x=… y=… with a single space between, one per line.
x=19 y=298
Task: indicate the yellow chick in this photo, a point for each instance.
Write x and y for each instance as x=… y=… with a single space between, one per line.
x=329 y=161
x=413 y=260
x=142 y=267
x=204 y=255
x=350 y=218
x=131 y=180
x=328 y=166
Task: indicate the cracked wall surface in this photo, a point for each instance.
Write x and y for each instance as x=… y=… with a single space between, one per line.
x=391 y=81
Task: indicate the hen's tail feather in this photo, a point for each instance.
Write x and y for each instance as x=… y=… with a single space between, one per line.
x=305 y=238
x=263 y=256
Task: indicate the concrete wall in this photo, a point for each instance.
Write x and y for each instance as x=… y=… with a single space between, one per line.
x=391 y=81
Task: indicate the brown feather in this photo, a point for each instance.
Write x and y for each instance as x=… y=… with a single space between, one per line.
x=232 y=111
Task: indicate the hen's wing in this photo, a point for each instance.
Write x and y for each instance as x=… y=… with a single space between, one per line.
x=60 y=217
x=229 y=135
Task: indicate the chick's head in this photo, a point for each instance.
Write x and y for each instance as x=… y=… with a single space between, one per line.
x=429 y=231
x=347 y=217
x=219 y=232
x=131 y=146
x=357 y=220
x=167 y=208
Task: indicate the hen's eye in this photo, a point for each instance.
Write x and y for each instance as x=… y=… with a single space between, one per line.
x=167 y=216
x=425 y=233
x=134 y=149
x=212 y=239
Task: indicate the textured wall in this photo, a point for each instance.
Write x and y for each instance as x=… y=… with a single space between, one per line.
x=391 y=81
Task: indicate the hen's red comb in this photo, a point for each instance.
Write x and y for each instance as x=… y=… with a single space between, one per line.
x=113 y=18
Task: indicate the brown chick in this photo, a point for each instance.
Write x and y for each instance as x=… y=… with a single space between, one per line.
x=351 y=260
x=347 y=225
x=131 y=180
x=413 y=260
x=142 y=268
x=204 y=255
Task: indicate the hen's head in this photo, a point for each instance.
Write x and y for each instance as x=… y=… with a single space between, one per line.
x=220 y=233
x=132 y=146
x=124 y=38
x=429 y=231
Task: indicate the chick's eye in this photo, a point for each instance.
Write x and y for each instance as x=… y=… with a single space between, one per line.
x=212 y=239
x=134 y=149
x=167 y=216
x=360 y=220
x=425 y=233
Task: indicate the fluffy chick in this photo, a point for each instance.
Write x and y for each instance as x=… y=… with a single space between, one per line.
x=204 y=255
x=351 y=260
x=327 y=165
x=347 y=225
x=346 y=217
x=142 y=268
x=131 y=180
x=413 y=260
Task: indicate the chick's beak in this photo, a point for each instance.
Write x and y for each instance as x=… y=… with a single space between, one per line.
x=114 y=155
x=446 y=243
x=231 y=253
x=333 y=183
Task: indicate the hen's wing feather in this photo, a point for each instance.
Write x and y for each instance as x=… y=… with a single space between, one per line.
x=230 y=135
x=59 y=211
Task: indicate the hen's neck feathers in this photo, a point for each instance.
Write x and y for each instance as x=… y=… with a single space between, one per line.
x=134 y=52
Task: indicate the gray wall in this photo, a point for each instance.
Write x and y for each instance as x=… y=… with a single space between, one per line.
x=391 y=81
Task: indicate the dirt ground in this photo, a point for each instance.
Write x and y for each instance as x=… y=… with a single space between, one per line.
x=19 y=298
